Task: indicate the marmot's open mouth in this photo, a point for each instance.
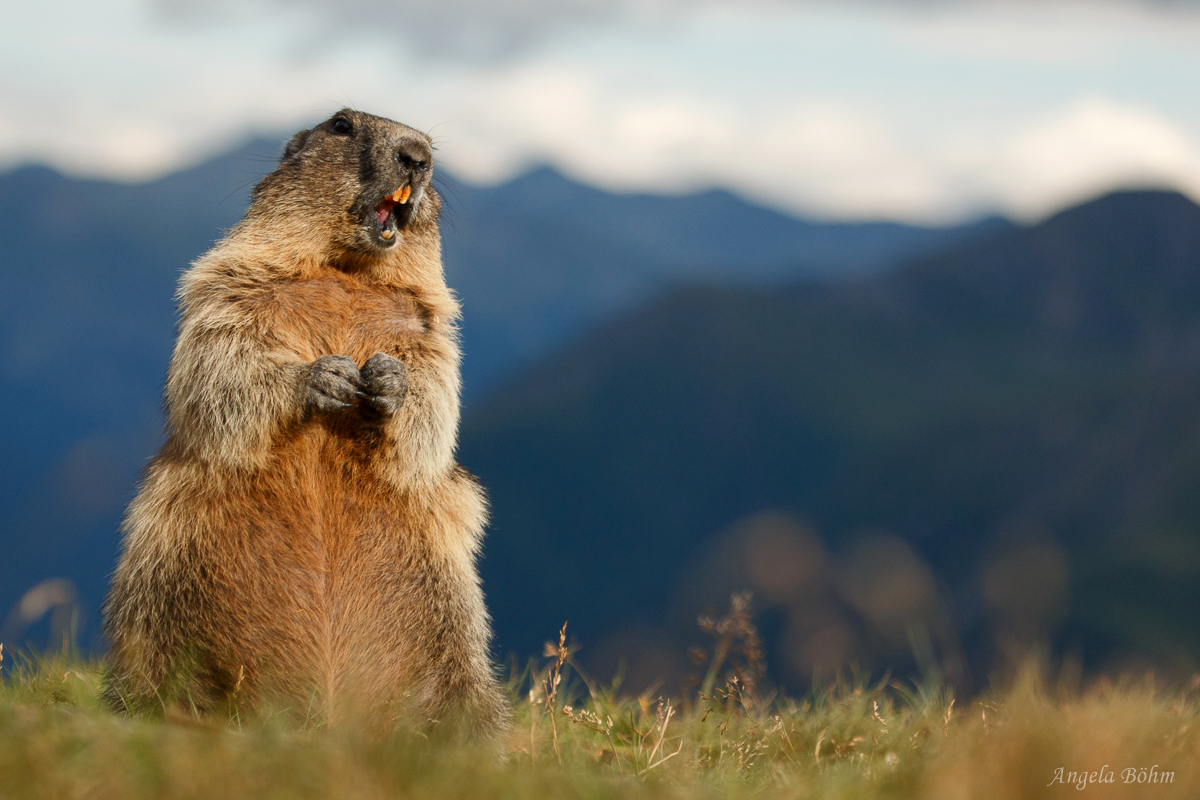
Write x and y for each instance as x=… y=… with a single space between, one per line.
x=390 y=216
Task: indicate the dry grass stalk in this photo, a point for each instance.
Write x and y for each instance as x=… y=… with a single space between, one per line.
x=737 y=647
x=551 y=683
x=663 y=719
x=592 y=721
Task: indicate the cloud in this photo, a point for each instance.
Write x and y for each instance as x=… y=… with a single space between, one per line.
x=816 y=158
x=1091 y=145
x=855 y=110
x=471 y=30
x=484 y=30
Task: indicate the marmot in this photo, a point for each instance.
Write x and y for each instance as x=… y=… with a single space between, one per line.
x=304 y=538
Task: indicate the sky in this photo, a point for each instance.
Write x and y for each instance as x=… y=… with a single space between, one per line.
x=928 y=111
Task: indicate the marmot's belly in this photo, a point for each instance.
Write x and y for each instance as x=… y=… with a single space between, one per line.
x=323 y=573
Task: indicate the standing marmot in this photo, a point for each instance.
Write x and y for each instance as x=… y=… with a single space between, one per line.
x=305 y=538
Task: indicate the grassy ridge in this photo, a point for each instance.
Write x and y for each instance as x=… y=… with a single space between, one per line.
x=572 y=741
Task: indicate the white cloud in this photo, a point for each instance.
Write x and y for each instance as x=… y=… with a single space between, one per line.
x=456 y=30
x=1090 y=145
x=1047 y=33
x=476 y=30
x=820 y=159
x=838 y=111
x=838 y=162
x=1086 y=148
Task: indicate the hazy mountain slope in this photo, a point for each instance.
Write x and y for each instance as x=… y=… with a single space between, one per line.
x=88 y=272
x=540 y=259
x=1023 y=413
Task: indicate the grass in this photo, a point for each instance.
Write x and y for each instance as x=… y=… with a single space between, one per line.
x=572 y=738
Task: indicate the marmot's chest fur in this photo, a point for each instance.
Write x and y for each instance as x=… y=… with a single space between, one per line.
x=335 y=313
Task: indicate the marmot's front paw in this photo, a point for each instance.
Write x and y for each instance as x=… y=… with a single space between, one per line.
x=333 y=383
x=385 y=383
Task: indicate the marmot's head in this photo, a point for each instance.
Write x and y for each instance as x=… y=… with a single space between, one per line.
x=358 y=183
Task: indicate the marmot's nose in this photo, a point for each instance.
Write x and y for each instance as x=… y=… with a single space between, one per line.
x=414 y=155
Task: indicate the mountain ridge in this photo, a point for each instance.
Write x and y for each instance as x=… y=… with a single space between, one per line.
x=1033 y=397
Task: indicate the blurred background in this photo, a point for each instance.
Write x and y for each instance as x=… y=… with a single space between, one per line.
x=887 y=312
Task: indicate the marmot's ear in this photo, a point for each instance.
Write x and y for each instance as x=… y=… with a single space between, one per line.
x=295 y=144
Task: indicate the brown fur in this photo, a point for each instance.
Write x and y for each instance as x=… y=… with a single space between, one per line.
x=282 y=552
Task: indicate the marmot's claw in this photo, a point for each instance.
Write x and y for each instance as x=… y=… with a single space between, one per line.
x=325 y=403
x=333 y=383
x=385 y=383
x=385 y=405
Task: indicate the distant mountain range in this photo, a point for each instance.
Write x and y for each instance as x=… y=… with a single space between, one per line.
x=88 y=271
x=541 y=259
x=991 y=449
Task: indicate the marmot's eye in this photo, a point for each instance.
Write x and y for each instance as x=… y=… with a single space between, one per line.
x=342 y=127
